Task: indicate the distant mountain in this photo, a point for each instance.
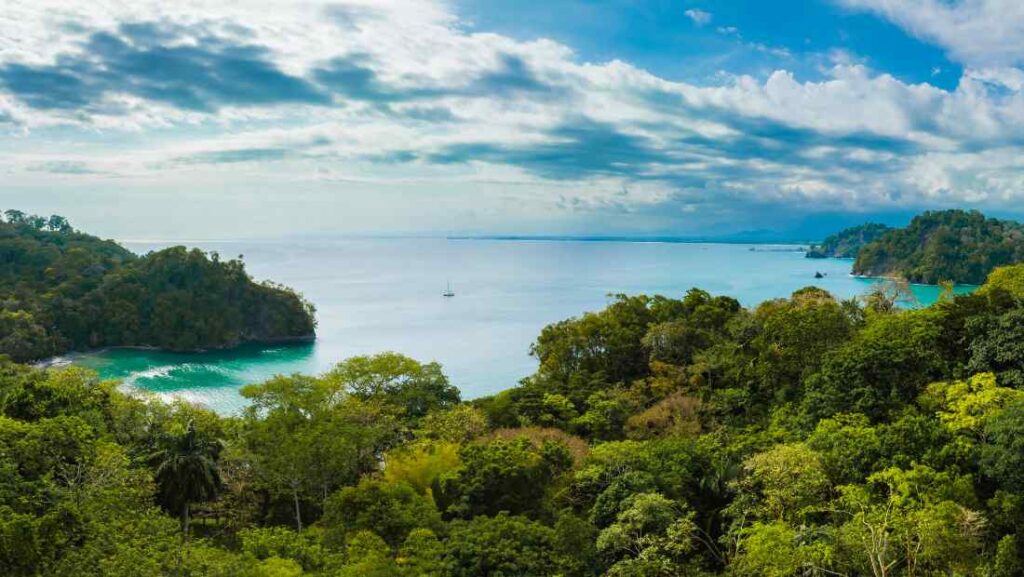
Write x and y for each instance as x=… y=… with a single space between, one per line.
x=951 y=245
x=847 y=243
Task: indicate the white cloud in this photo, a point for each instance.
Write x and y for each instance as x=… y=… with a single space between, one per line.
x=699 y=17
x=521 y=129
x=977 y=33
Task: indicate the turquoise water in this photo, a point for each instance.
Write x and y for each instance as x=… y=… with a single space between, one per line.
x=385 y=294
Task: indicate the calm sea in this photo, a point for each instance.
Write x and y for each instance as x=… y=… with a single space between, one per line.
x=385 y=295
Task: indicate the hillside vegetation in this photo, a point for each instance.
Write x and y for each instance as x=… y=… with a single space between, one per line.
x=659 y=437
x=63 y=290
x=951 y=245
x=847 y=243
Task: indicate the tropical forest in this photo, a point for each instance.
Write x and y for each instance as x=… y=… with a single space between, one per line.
x=63 y=290
x=661 y=436
x=955 y=246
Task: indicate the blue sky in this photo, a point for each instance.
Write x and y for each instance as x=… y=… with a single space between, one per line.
x=694 y=41
x=199 y=120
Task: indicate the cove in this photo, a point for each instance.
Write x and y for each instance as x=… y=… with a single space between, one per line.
x=375 y=295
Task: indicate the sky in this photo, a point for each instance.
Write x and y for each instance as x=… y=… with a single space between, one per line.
x=142 y=119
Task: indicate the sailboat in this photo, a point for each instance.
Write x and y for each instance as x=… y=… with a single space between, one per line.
x=448 y=291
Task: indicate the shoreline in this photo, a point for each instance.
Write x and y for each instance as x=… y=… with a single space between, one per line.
x=65 y=359
x=633 y=240
x=897 y=278
x=886 y=277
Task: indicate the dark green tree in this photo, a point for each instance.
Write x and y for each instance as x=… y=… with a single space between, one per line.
x=502 y=475
x=391 y=510
x=502 y=546
x=186 y=472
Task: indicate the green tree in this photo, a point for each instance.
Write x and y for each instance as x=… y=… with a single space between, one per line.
x=906 y=519
x=785 y=483
x=1009 y=279
x=651 y=532
x=186 y=472
x=770 y=550
x=795 y=335
x=419 y=465
x=502 y=546
x=398 y=380
x=15 y=216
x=605 y=344
x=304 y=548
x=459 y=424
x=998 y=349
x=883 y=368
x=848 y=446
x=391 y=510
x=1002 y=456
x=307 y=437
x=968 y=406
x=57 y=223
x=368 y=556
x=422 y=554
x=501 y=475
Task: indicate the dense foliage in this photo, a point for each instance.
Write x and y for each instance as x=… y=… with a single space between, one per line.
x=847 y=243
x=951 y=245
x=658 y=437
x=64 y=290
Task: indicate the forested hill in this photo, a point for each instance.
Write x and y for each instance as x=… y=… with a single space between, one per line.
x=952 y=245
x=847 y=243
x=659 y=437
x=63 y=290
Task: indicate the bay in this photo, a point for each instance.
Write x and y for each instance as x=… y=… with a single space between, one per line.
x=375 y=295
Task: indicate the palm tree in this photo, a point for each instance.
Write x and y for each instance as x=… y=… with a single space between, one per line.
x=186 y=472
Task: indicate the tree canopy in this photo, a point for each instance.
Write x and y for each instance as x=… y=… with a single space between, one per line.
x=658 y=437
x=951 y=245
x=63 y=290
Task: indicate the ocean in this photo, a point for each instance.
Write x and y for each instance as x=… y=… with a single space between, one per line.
x=375 y=295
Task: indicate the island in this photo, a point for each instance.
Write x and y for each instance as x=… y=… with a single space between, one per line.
x=63 y=290
x=847 y=243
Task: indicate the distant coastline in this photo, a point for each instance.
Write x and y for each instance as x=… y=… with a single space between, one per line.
x=638 y=239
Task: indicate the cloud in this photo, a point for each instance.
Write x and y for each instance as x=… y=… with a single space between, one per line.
x=699 y=17
x=48 y=88
x=578 y=149
x=350 y=77
x=760 y=139
x=63 y=167
x=401 y=95
x=234 y=156
x=193 y=69
x=978 y=33
x=273 y=147
x=162 y=64
x=512 y=76
x=354 y=77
